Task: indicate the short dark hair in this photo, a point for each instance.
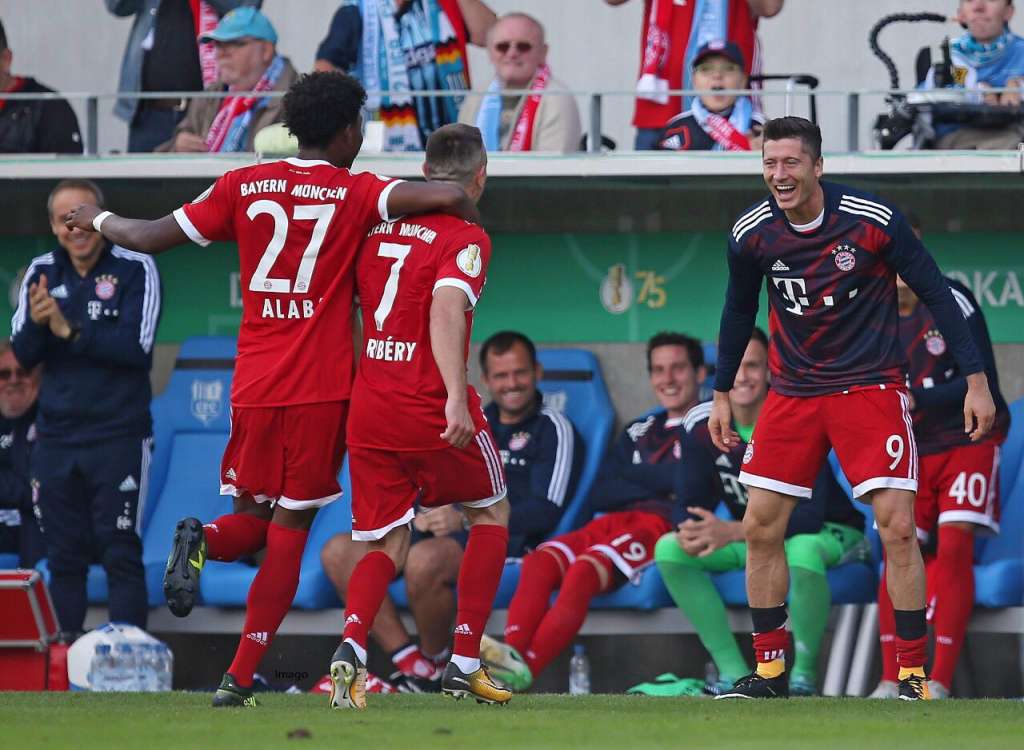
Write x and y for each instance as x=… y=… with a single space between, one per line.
x=760 y=336
x=455 y=152
x=501 y=342
x=694 y=349
x=318 y=105
x=74 y=183
x=795 y=127
x=3 y=37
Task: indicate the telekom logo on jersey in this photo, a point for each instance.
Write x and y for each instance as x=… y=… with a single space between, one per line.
x=794 y=291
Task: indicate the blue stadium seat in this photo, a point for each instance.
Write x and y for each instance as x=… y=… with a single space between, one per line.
x=8 y=561
x=999 y=571
x=190 y=430
x=1011 y=456
x=573 y=384
x=648 y=593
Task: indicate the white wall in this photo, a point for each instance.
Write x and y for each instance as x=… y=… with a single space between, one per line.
x=75 y=45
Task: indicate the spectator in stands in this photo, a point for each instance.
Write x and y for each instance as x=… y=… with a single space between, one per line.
x=672 y=33
x=542 y=454
x=403 y=46
x=823 y=532
x=88 y=311
x=716 y=122
x=634 y=492
x=37 y=126
x=162 y=54
x=529 y=122
x=19 y=530
x=247 y=60
x=988 y=55
x=957 y=488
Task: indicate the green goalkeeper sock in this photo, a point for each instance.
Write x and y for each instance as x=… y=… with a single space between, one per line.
x=810 y=601
x=697 y=597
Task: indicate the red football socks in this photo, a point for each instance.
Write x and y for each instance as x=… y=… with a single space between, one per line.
x=565 y=618
x=409 y=660
x=540 y=576
x=887 y=632
x=235 y=535
x=270 y=597
x=366 y=590
x=479 y=576
x=911 y=639
x=954 y=599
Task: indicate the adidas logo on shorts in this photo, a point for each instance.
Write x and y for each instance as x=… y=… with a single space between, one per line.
x=128 y=484
x=230 y=474
x=463 y=629
x=780 y=266
x=260 y=637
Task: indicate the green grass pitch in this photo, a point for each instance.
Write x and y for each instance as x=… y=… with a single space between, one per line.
x=185 y=720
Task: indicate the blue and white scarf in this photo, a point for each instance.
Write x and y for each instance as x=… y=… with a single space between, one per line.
x=710 y=23
x=712 y=123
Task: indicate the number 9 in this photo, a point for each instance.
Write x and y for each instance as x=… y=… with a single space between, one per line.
x=894 y=447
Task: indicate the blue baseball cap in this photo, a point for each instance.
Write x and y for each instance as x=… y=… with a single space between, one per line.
x=242 y=23
x=728 y=50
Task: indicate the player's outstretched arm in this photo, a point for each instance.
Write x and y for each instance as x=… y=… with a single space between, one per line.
x=979 y=408
x=429 y=197
x=149 y=237
x=720 y=423
x=447 y=339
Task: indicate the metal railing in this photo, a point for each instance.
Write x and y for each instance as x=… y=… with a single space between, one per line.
x=595 y=114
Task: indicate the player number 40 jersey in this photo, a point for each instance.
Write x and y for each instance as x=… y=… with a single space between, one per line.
x=399 y=397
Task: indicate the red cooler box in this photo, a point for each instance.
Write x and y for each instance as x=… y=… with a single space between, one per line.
x=28 y=631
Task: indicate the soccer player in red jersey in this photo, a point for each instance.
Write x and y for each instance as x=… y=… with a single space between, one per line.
x=958 y=486
x=831 y=254
x=298 y=224
x=417 y=432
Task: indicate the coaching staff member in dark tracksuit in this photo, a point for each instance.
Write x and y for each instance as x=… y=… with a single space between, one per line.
x=89 y=311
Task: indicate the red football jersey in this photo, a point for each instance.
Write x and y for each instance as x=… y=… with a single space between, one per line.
x=399 y=396
x=298 y=224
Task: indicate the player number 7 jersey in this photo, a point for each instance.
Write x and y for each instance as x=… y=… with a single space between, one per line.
x=399 y=397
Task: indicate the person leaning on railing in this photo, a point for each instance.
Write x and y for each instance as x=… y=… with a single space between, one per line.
x=988 y=55
x=247 y=60
x=410 y=45
x=532 y=122
x=162 y=54
x=40 y=126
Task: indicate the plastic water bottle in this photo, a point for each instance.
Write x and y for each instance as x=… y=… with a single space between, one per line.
x=165 y=673
x=100 y=668
x=148 y=658
x=579 y=672
x=125 y=675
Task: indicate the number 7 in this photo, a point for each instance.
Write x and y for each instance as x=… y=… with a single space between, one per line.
x=387 y=299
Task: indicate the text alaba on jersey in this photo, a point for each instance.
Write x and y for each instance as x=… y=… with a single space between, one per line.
x=298 y=224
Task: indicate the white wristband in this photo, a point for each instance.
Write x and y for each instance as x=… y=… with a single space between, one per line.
x=97 y=223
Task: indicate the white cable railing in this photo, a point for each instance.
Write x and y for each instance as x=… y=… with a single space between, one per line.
x=596 y=100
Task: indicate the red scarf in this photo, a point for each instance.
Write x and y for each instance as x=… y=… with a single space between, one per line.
x=451 y=9
x=16 y=85
x=232 y=107
x=522 y=134
x=205 y=20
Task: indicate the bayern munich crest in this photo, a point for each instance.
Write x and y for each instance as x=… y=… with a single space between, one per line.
x=518 y=441
x=106 y=286
x=748 y=454
x=934 y=343
x=844 y=257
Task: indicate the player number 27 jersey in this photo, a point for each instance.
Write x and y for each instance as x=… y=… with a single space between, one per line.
x=399 y=396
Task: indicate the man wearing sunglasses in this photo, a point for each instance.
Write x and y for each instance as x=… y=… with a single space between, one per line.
x=522 y=122
x=19 y=532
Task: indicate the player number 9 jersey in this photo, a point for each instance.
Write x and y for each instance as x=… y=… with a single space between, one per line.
x=399 y=396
